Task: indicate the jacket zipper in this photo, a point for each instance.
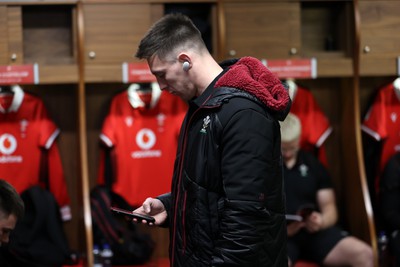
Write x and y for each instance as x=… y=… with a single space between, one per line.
x=178 y=189
x=183 y=223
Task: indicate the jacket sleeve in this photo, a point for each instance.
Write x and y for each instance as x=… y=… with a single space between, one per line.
x=252 y=225
x=166 y=200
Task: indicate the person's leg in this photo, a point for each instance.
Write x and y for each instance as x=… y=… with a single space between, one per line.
x=318 y=245
x=350 y=251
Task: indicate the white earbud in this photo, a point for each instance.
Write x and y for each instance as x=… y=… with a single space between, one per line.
x=186 y=65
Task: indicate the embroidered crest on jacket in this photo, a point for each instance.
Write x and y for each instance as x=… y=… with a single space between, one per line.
x=206 y=122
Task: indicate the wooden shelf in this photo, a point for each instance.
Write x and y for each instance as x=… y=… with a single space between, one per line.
x=58 y=74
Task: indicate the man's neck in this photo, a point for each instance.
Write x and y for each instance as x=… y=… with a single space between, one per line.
x=206 y=75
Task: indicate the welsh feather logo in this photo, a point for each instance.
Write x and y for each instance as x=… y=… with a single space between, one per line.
x=303 y=170
x=206 y=123
x=128 y=121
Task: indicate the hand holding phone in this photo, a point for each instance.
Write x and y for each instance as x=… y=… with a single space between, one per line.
x=306 y=210
x=132 y=214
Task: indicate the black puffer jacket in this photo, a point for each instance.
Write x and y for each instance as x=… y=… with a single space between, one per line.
x=227 y=205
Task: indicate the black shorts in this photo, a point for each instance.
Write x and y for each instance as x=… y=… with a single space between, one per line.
x=314 y=247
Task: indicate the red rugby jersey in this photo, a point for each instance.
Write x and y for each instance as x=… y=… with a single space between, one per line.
x=382 y=122
x=315 y=126
x=25 y=132
x=143 y=137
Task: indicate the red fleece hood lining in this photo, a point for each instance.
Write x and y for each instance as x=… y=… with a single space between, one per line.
x=250 y=75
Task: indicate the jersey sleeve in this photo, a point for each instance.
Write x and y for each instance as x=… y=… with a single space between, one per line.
x=322 y=157
x=318 y=125
x=375 y=119
x=48 y=133
x=56 y=179
x=109 y=140
x=315 y=124
x=57 y=183
x=107 y=135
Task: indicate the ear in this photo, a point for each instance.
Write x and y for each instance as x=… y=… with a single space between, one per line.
x=183 y=57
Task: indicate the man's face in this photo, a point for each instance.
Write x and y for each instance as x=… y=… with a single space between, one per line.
x=7 y=224
x=290 y=149
x=171 y=77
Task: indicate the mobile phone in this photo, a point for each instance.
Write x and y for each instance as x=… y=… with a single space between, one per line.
x=132 y=214
x=306 y=210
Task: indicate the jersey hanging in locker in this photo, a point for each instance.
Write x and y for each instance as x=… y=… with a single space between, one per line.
x=142 y=132
x=26 y=131
x=315 y=125
x=382 y=122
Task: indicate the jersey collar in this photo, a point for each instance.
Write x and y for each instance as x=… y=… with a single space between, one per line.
x=134 y=99
x=17 y=100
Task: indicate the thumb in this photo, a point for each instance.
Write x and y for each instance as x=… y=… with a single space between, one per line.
x=147 y=205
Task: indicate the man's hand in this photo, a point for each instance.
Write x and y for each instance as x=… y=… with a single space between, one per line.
x=155 y=208
x=294 y=227
x=314 y=222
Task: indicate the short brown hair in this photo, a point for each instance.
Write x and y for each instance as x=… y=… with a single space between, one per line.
x=168 y=33
x=10 y=201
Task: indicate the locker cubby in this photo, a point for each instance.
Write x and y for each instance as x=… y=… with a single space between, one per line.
x=326 y=28
x=48 y=34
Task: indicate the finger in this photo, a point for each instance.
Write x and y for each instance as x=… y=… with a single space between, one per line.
x=147 y=204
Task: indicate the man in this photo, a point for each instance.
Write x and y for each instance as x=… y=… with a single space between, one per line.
x=11 y=210
x=226 y=206
x=308 y=184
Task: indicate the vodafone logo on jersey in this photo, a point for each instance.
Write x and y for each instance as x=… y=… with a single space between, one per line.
x=8 y=145
x=146 y=139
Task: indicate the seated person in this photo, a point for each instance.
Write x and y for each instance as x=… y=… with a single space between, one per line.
x=389 y=195
x=307 y=182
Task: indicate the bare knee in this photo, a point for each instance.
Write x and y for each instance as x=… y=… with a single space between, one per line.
x=351 y=251
x=364 y=256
